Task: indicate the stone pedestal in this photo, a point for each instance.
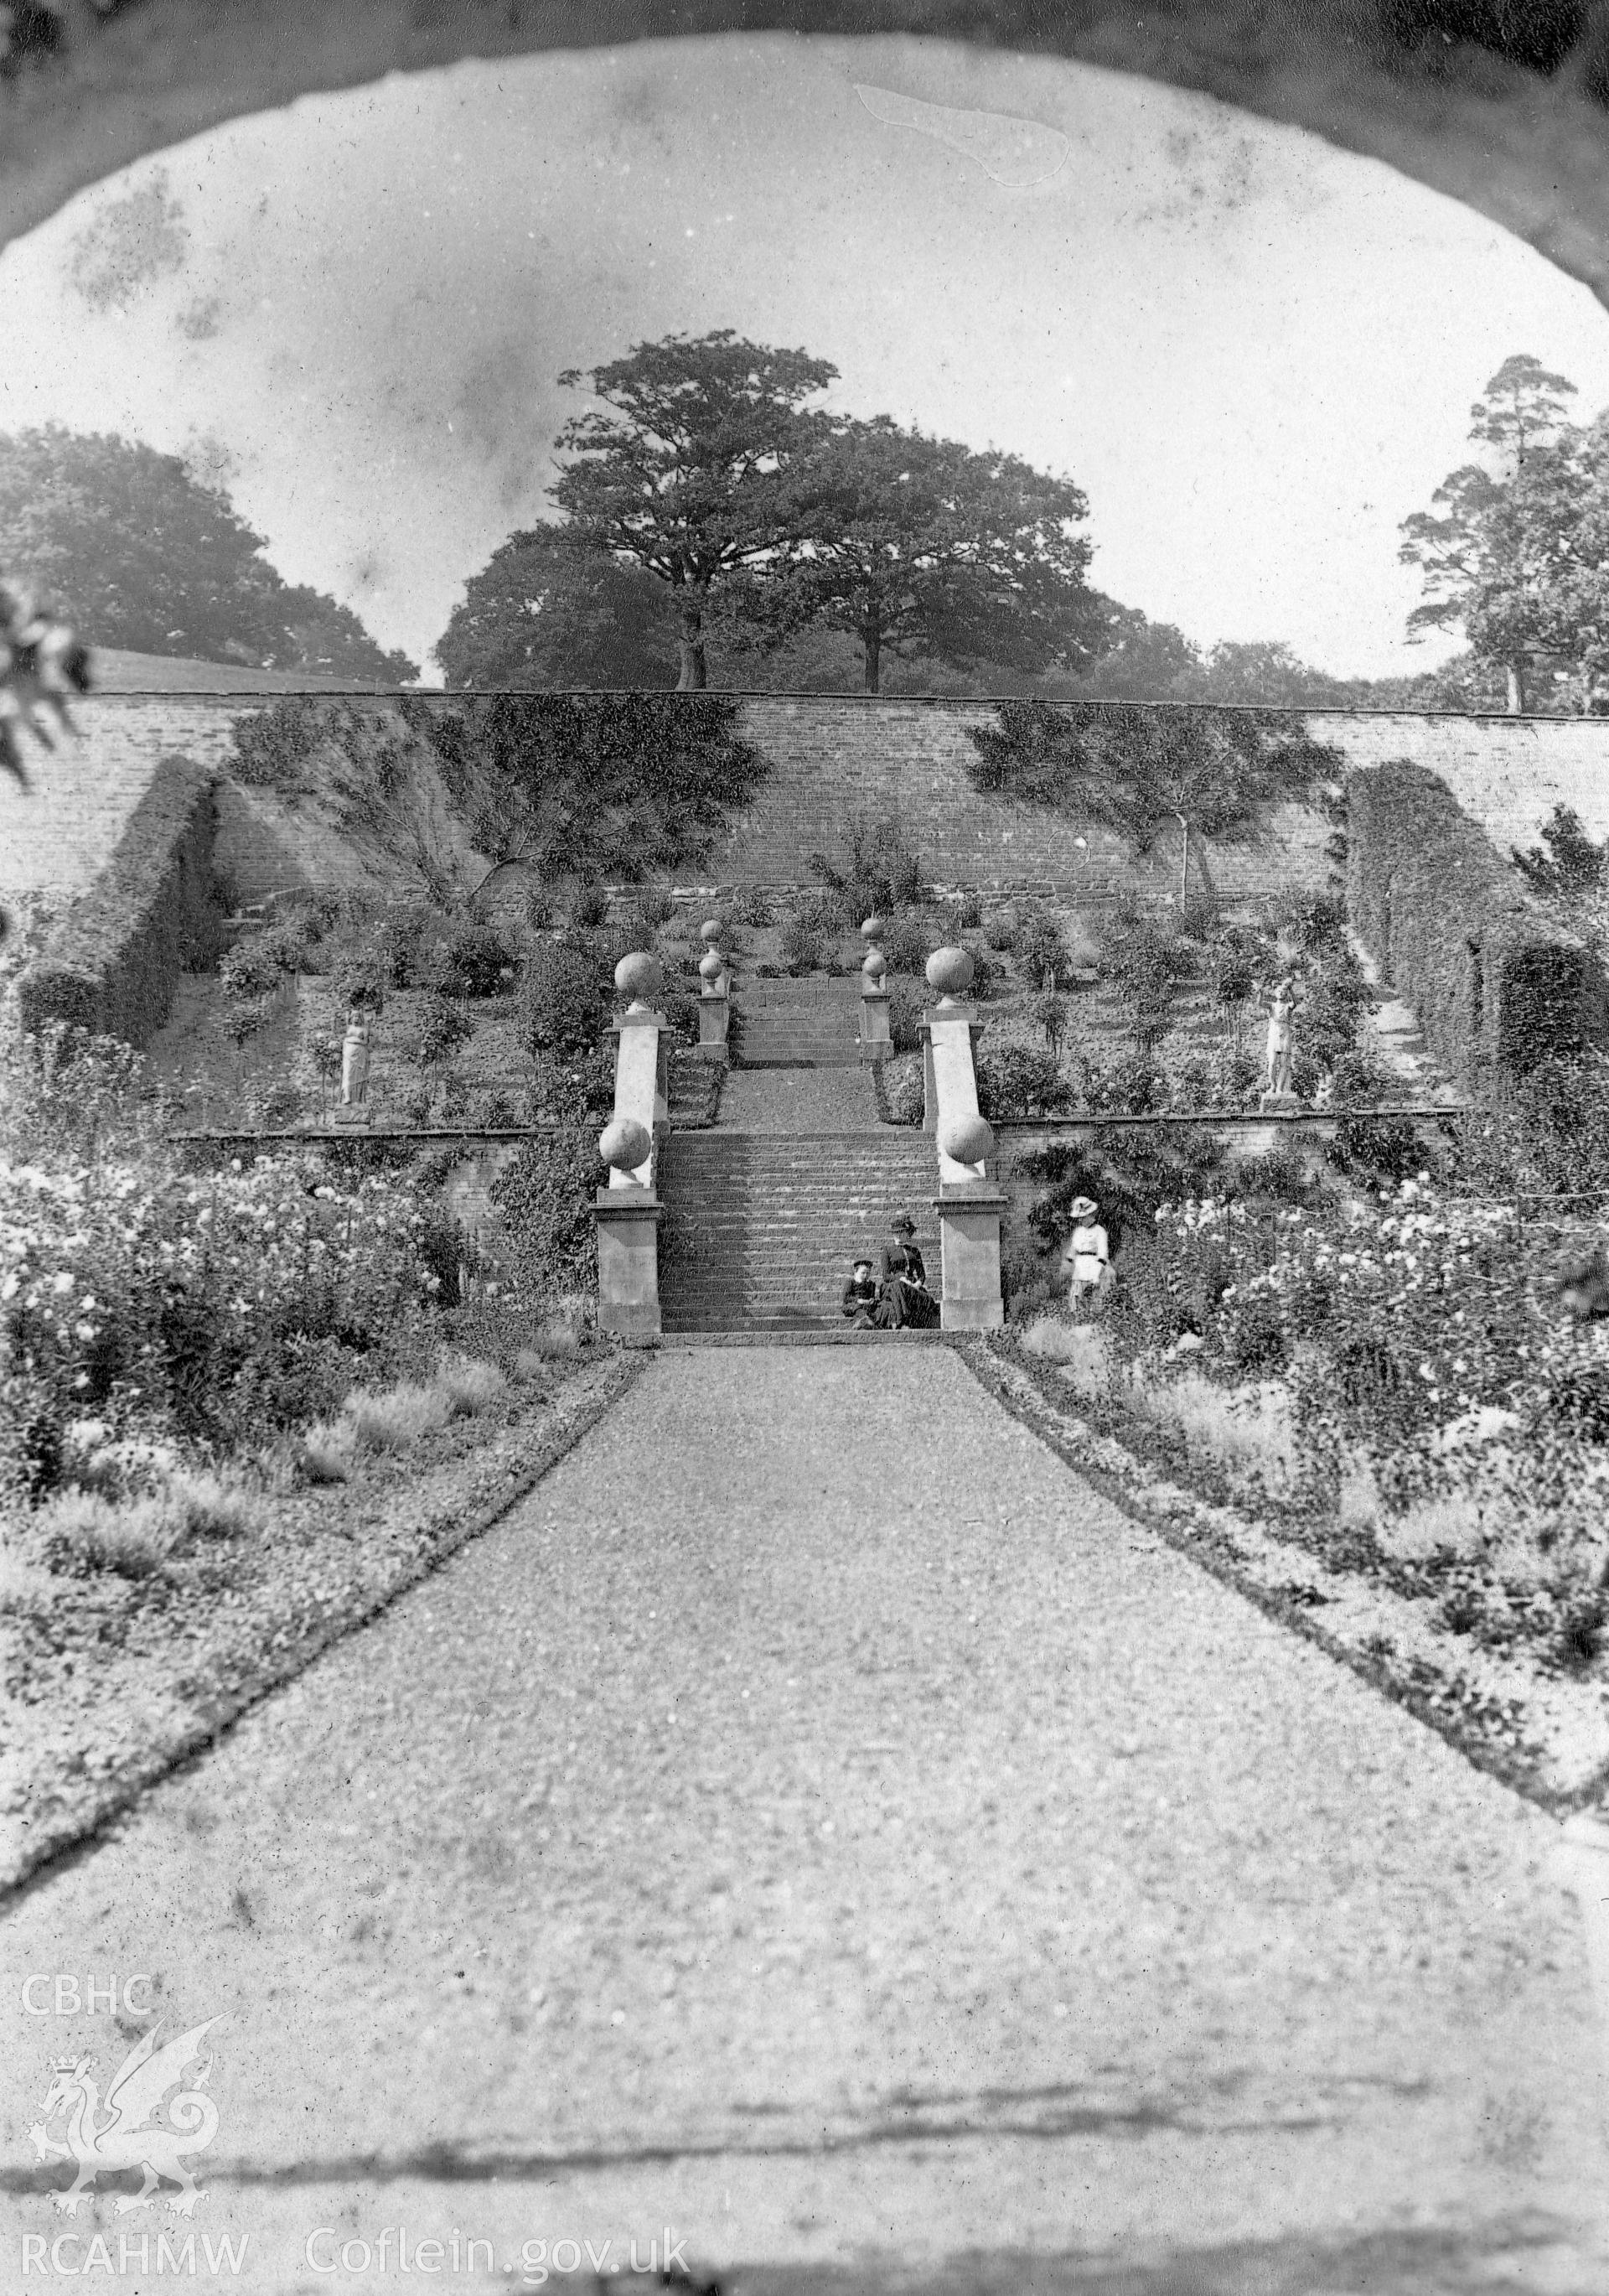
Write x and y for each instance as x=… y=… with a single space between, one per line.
x=946 y=1050
x=714 y=1019
x=357 y=1118
x=1277 y=1104
x=643 y=1049
x=628 y=1262
x=969 y=1218
x=877 y=1041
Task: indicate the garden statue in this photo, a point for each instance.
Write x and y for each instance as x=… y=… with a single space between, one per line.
x=1087 y=1254
x=354 y=1064
x=1277 y=1083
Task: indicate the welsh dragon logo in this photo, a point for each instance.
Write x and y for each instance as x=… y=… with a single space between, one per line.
x=122 y=2132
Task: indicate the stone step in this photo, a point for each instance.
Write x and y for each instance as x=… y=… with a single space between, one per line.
x=791 y=1059
x=761 y=1229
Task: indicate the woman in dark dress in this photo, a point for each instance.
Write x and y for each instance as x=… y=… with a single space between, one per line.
x=905 y=1302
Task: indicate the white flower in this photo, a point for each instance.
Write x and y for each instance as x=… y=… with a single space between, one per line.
x=84 y=1331
x=62 y=1284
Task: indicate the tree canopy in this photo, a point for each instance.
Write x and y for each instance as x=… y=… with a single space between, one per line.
x=543 y=613
x=138 y=552
x=1515 y=548
x=922 y=546
x=681 y=467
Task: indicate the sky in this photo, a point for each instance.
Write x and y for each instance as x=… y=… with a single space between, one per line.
x=1254 y=352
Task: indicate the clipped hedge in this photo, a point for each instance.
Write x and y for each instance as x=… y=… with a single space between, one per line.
x=1497 y=985
x=113 y=962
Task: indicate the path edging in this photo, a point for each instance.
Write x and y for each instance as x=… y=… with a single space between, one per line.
x=212 y=1720
x=1178 y=1516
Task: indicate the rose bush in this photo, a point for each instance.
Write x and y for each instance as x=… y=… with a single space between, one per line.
x=169 y=1306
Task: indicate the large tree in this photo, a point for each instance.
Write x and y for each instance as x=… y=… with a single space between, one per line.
x=1500 y=553
x=921 y=546
x=543 y=613
x=140 y=554
x=681 y=467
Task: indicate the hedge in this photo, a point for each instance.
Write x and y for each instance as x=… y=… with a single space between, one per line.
x=113 y=962
x=1498 y=986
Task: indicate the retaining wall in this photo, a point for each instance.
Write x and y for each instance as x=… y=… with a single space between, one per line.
x=113 y=961
x=833 y=756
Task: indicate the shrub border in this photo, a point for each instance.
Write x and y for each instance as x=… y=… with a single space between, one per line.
x=1496 y=984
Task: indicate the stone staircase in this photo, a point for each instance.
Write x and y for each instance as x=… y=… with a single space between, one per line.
x=760 y=1228
x=766 y=1210
x=810 y=1023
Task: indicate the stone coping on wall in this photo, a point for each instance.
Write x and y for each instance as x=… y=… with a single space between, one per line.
x=321 y=1136
x=258 y=697
x=1221 y=1119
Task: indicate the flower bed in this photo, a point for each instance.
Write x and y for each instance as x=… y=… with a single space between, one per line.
x=1390 y=1386
x=118 y=1665
x=199 y=1310
x=207 y=1384
x=1544 y=1731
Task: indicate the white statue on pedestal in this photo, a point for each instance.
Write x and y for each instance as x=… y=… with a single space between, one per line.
x=355 y=1063
x=1280 y=1047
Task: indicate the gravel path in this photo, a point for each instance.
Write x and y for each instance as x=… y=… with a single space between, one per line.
x=871 y=1851
x=798 y=1100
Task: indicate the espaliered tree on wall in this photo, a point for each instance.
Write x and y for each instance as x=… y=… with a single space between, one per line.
x=592 y=786
x=1214 y=774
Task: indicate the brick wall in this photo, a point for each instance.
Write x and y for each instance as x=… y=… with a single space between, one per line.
x=64 y=829
x=833 y=756
x=1507 y=772
x=836 y=757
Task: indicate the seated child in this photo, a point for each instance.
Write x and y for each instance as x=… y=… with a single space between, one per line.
x=861 y=1296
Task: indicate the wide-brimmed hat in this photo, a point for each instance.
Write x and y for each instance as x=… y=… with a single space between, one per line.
x=902 y=1223
x=1082 y=1207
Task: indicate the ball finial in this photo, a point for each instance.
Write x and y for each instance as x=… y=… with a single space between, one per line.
x=873 y=929
x=950 y=972
x=638 y=976
x=709 y=932
x=969 y=1139
x=874 y=964
x=711 y=966
x=624 y=1144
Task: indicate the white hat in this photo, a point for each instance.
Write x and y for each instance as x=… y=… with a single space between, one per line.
x=1082 y=1207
